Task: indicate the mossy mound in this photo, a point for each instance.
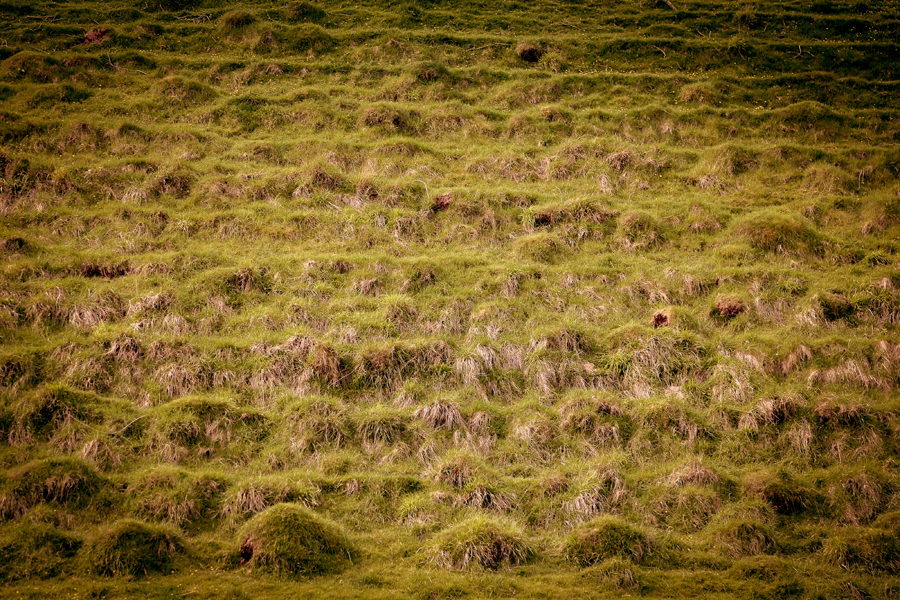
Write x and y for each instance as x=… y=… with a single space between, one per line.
x=639 y=230
x=133 y=548
x=35 y=551
x=43 y=411
x=303 y=11
x=607 y=537
x=741 y=537
x=176 y=496
x=869 y=549
x=541 y=247
x=67 y=481
x=775 y=232
x=291 y=540
x=480 y=541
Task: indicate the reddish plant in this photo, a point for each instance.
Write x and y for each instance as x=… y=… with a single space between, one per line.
x=95 y=36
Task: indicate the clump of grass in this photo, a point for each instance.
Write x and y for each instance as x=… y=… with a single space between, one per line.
x=785 y=496
x=168 y=5
x=431 y=71
x=236 y=20
x=693 y=473
x=618 y=573
x=689 y=508
x=701 y=93
x=872 y=549
x=303 y=11
x=38 y=551
x=601 y=492
x=133 y=548
x=384 y=117
x=458 y=469
x=542 y=247
x=576 y=210
x=209 y=423
x=440 y=415
x=45 y=410
x=185 y=91
x=762 y=567
x=777 y=232
x=319 y=424
x=54 y=94
x=727 y=307
x=607 y=537
x=248 y=279
x=835 y=306
x=381 y=426
x=480 y=542
x=320 y=177
x=738 y=538
x=732 y=160
x=529 y=52
x=62 y=481
x=289 y=539
x=309 y=38
x=176 y=496
x=255 y=495
x=639 y=231
x=600 y=421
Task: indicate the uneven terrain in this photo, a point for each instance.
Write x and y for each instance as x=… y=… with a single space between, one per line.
x=449 y=300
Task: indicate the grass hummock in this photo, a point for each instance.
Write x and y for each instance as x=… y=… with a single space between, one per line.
x=289 y=539
x=444 y=299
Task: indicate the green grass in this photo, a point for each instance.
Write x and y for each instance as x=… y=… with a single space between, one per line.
x=442 y=300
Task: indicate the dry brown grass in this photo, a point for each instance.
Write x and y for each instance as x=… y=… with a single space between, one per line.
x=439 y=415
x=694 y=473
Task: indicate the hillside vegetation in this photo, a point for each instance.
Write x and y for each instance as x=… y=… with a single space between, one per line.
x=441 y=299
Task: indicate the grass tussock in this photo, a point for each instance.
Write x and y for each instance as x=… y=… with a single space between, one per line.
x=479 y=542
x=773 y=232
x=639 y=231
x=252 y=497
x=176 y=496
x=529 y=52
x=133 y=548
x=236 y=20
x=38 y=551
x=876 y=551
x=303 y=11
x=61 y=482
x=447 y=273
x=743 y=538
x=607 y=537
x=290 y=540
x=184 y=91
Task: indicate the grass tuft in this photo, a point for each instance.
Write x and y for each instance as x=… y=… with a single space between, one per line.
x=38 y=551
x=739 y=538
x=133 y=548
x=236 y=20
x=184 y=91
x=775 y=232
x=303 y=11
x=289 y=539
x=480 y=542
x=529 y=52
x=541 y=247
x=63 y=481
x=639 y=231
x=607 y=537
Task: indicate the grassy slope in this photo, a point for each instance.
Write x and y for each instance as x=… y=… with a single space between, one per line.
x=369 y=260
